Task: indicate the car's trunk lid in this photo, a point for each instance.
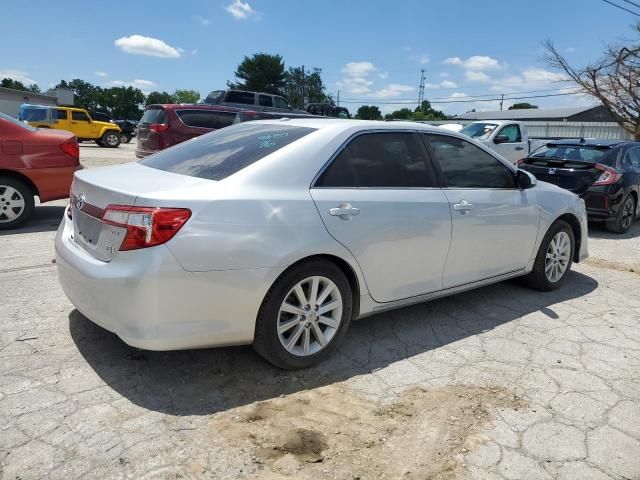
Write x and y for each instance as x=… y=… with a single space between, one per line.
x=95 y=189
x=573 y=175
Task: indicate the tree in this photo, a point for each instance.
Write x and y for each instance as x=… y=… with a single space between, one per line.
x=186 y=96
x=18 y=85
x=369 y=112
x=159 y=97
x=262 y=73
x=86 y=94
x=122 y=102
x=428 y=112
x=614 y=80
x=522 y=106
x=304 y=87
x=402 y=114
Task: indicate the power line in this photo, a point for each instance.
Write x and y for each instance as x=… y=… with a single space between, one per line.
x=466 y=100
x=622 y=8
x=632 y=3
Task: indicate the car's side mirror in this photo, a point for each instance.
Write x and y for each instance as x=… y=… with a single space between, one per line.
x=525 y=180
x=501 y=139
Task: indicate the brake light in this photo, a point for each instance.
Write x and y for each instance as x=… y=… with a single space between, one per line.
x=146 y=226
x=71 y=148
x=608 y=176
x=158 y=127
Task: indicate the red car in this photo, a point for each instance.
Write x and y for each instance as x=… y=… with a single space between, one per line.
x=33 y=162
x=163 y=126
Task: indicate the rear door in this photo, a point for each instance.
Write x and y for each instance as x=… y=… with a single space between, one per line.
x=379 y=198
x=495 y=224
x=514 y=149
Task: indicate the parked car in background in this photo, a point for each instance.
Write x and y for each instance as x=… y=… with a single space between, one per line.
x=258 y=101
x=33 y=162
x=280 y=232
x=74 y=120
x=605 y=173
x=328 y=110
x=127 y=127
x=506 y=137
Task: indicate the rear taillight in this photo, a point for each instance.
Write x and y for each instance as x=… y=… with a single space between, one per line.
x=608 y=176
x=158 y=127
x=71 y=148
x=146 y=226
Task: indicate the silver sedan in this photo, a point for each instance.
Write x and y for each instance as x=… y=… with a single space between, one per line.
x=279 y=233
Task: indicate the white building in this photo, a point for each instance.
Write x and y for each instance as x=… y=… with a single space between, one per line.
x=10 y=99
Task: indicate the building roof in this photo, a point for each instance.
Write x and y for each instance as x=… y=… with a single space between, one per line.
x=25 y=93
x=526 y=113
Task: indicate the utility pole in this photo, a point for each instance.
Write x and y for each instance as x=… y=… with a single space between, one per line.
x=421 y=89
x=338 y=98
x=501 y=100
x=303 y=82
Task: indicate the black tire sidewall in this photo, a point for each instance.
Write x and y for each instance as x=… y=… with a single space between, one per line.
x=29 y=203
x=538 y=278
x=266 y=341
x=619 y=228
x=104 y=140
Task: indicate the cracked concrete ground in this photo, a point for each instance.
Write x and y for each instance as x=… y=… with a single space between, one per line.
x=539 y=385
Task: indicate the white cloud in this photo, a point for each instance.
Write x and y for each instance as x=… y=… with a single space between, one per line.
x=355 y=84
x=528 y=79
x=100 y=74
x=358 y=69
x=383 y=75
x=475 y=62
x=203 y=21
x=18 y=75
x=393 y=90
x=476 y=76
x=442 y=84
x=240 y=10
x=152 y=47
x=444 y=75
x=144 y=85
x=421 y=59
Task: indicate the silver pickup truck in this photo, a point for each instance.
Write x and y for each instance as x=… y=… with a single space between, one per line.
x=257 y=101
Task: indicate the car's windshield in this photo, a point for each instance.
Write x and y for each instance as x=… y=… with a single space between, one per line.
x=215 y=96
x=479 y=131
x=34 y=114
x=17 y=122
x=574 y=152
x=226 y=151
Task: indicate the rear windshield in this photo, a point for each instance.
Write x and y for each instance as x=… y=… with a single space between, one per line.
x=572 y=152
x=154 y=115
x=222 y=153
x=17 y=122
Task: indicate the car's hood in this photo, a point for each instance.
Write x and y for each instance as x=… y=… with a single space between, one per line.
x=105 y=124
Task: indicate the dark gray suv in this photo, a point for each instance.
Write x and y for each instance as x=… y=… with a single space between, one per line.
x=262 y=102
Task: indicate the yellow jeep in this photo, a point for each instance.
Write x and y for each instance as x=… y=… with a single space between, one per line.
x=75 y=120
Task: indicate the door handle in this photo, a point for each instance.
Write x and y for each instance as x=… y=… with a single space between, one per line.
x=463 y=207
x=345 y=211
x=519 y=148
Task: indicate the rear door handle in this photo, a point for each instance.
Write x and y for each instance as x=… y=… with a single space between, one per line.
x=519 y=148
x=463 y=207
x=345 y=211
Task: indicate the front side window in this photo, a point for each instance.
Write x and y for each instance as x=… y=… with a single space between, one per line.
x=464 y=165
x=236 y=96
x=265 y=101
x=222 y=153
x=392 y=160
x=79 y=116
x=512 y=132
x=280 y=102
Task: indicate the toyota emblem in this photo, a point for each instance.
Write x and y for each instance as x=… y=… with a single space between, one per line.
x=552 y=171
x=78 y=202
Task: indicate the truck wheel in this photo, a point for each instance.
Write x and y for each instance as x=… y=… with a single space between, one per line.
x=16 y=202
x=110 y=140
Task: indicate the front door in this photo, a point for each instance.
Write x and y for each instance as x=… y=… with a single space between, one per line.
x=514 y=148
x=495 y=224
x=81 y=124
x=379 y=198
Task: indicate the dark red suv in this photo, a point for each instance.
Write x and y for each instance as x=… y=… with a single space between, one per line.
x=163 y=126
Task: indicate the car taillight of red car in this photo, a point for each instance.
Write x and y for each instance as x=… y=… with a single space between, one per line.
x=71 y=148
x=146 y=226
x=158 y=127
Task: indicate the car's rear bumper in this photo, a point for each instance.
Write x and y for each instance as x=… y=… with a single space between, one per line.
x=140 y=153
x=148 y=300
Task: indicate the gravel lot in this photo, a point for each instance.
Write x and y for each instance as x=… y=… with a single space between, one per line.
x=502 y=382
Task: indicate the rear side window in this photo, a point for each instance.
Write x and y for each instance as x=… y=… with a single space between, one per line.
x=222 y=153
x=60 y=114
x=466 y=166
x=206 y=118
x=392 y=160
x=234 y=96
x=154 y=115
x=79 y=116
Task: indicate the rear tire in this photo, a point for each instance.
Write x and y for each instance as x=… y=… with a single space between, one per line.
x=124 y=138
x=554 y=258
x=16 y=202
x=315 y=320
x=110 y=140
x=625 y=217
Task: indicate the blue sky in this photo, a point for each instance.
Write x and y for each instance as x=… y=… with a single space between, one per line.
x=372 y=51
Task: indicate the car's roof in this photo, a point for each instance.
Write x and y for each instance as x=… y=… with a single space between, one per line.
x=592 y=142
x=346 y=124
x=196 y=106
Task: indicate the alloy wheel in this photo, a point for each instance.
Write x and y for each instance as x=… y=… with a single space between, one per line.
x=627 y=213
x=309 y=316
x=112 y=140
x=12 y=204
x=558 y=255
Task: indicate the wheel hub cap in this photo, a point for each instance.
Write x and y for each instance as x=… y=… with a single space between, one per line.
x=12 y=204
x=558 y=256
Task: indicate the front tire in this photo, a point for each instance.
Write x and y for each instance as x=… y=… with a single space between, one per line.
x=125 y=138
x=554 y=258
x=625 y=217
x=304 y=316
x=110 y=140
x=16 y=202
